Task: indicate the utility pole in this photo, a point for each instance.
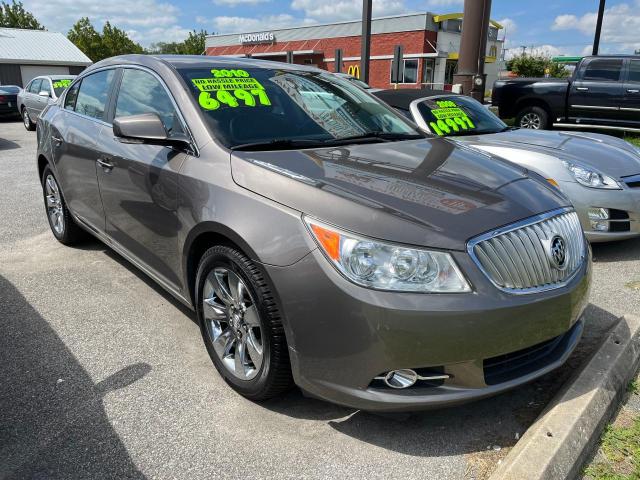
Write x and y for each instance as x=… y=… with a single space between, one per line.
x=473 y=48
x=365 y=47
x=596 y=39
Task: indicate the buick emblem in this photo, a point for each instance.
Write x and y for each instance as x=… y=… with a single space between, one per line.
x=558 y=252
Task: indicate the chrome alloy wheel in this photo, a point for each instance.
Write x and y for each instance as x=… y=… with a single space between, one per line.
x=233 y=324
x=531 y=120
x=54 y=204
x=25 y=119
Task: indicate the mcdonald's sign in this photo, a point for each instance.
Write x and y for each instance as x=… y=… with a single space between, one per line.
x=354 y=71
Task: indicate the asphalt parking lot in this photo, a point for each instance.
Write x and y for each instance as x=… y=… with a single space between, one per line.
x=105 y=376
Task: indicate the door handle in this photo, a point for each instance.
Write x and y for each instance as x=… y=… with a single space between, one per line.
x=582 y=89
x=57 y=140
x=633 y=90
x=106 y=166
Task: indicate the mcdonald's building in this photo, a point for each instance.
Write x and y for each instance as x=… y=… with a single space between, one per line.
x=430 y=44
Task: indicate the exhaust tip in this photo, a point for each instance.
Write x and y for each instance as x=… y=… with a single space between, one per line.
x=404 y=378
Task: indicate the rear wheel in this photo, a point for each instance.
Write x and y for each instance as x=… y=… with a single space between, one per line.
x=533 y=117
x=62 y=224
x=241 y=325
x=26 y=120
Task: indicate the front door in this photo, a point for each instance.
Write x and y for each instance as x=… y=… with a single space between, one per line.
x=596 y=94
x=631 y=107
x=74 y=134
x=138 y=182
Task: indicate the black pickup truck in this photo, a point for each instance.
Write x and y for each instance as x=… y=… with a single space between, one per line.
x=604 y=91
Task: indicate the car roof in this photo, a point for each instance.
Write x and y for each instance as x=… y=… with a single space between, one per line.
x=199 y=61
x=403 y=97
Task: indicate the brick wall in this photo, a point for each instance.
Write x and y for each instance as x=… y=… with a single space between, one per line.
x=381 y=44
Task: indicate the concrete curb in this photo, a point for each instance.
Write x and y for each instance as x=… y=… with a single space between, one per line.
x=559 y=441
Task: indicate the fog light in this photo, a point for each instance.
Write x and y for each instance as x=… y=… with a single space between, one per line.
x=598 y=214
x=401 y=378
x=599 y=226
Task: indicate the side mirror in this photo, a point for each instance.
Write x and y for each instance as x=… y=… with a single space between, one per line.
x=146 y=128
x=45 y=93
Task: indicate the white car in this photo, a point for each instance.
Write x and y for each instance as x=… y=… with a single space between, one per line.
x=40 y=92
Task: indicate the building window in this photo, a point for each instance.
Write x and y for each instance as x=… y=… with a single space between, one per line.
x=427 y=71
x=409 y=72
x=493 y=51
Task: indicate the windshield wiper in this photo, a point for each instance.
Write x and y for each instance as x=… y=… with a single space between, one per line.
x=279 y=144
x=376 y=136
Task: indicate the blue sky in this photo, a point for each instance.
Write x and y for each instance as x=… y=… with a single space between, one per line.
x=560 y=27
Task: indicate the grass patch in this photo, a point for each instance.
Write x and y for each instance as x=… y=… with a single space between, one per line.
x=634 y=139
x=634 y=387
x=621 y=452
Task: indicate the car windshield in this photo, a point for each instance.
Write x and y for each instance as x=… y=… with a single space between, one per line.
x=60 y=84
x=359 y=83
x=457 y=115
x=290 y=109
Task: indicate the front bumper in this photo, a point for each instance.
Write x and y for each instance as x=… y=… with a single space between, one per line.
x=341 y=336
x=626 y=200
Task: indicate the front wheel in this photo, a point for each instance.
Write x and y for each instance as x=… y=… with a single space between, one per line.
x=535 y=118
x=26 y=120
x=62 y=224
x=241 y=325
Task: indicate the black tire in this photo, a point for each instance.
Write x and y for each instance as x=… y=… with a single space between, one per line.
x=533 y=117
x=274 y=375
x=26 y=120
x=70 y=233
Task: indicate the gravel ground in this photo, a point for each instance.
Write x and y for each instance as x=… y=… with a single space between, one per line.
x=105 y=376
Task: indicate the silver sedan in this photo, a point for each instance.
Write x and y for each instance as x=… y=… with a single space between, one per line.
x=600 y=174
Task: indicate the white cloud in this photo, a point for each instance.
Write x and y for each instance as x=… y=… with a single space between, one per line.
x=620 y=26
x=345 y=9
x=230 y=24
x=510 y=26
x=443 y=3
x=146 y=21
x=235 y=3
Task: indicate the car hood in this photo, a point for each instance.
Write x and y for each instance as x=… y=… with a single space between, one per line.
x=429 y=192
x=608 y=154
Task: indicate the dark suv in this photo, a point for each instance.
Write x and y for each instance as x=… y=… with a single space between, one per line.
x=318 y=235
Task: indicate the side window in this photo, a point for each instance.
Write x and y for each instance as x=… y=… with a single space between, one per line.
x=409 y=72
x=605 y=70
x=45 y=85
x=92 y=96
x=35 y=86
x=72 y=96
x=634 y=71
x=140 y=92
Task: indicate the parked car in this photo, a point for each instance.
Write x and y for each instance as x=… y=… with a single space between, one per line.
x=340 y=248
x=599 y=173
x=356 y=81
x=603 y=92
x=8 y=100
x=40 y=92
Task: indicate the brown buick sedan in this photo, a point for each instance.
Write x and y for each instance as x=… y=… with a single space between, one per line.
x=319 y=236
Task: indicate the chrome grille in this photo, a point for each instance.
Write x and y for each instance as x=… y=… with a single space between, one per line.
x=518 y=258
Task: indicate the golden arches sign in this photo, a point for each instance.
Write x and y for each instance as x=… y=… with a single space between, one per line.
x=354 y=71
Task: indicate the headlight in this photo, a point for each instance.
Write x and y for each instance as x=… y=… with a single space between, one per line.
x=384 y=266
x=590 y=177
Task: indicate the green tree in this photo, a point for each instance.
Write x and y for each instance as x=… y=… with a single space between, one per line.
x=14 y=15
x=97 y=46
x=192 y=45
x=536 y=66
x=86 y=38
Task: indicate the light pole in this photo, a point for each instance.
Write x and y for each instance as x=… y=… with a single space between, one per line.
x=596 y=39
x=365 y=48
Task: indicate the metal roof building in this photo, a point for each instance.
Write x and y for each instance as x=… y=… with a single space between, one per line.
x=25 y=54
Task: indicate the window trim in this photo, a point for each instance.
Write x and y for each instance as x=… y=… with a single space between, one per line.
x=79 y=80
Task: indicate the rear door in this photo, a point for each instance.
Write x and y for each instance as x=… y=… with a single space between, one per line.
x=596 y=93
x=74 y=136
x=139 y=182
x=631 y=107
x=30 y=98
